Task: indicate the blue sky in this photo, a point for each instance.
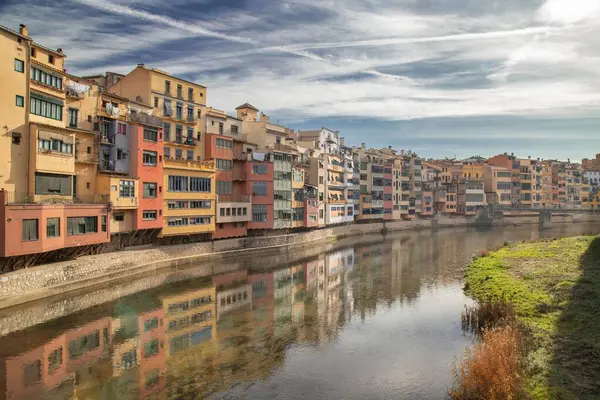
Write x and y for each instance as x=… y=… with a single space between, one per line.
x=440 y=77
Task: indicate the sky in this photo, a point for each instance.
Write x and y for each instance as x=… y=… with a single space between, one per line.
x=443 y=78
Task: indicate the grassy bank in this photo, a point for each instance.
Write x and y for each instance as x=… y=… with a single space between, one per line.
x=554 y=288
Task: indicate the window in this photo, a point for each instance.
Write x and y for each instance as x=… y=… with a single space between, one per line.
x=53 y=227
x=178 y=183
x=149 y=215
x=167 y=152
x=200 y=185
x=149 y=157
x=150 y=134
x=149 y=189
x=224 y=165
x=167 y=130
x=167 y=110
x=53 y=184
x=20 y=101
x=73 y=117
x=45 y=108
x=177 y=205
x=121 y=129
x=16 y=138
x=55 y=359
x=178 y=154
x=177 y=221
x=167 y=87
x=220 y=128
x=191 y=94
x=200 y=204
x=56 y=145
x=32 y=372
x=33 y=52
x=155 y=102
x=200 y=220
x=179 y=110
x=126 y=189
x=224 y=187
x=30 y=230
x=50 y=58
x=120 y=216
x=199 y=114
x=151 y=349
x=259 y=213
x=120 y=154
x=259 y=188
x=320 y=180
x=321 y=214
x=225 y=144
x=179 y=91
x=222 y=212
x=190 y=155
x=259 y=169
x=234 y=129
x=179 y=134
x=45 y=78
x=19 y=65
x=83 y=225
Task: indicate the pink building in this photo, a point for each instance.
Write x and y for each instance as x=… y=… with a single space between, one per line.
x=40 y=228
x=148 y=215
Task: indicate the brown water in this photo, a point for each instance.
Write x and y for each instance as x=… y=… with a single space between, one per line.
x=375 y=321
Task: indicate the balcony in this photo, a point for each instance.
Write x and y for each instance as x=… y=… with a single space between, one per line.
x=239 y=175
x=123 y=203
x=24 y=198
x=86 y=158
x=206 y=166
x=145 y=119
x=187 y=141
x=105 y=139
x=75 y=94
x=234 y=208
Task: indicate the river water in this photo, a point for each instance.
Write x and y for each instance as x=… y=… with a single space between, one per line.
x=355 y=320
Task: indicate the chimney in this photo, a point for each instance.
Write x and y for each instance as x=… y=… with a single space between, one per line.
x=390 y=147
x=264 y=117
x=529 y=157
x=140 y=65
x=59 y=50
x=23 y=30
x=363 y=145
x=512 y=154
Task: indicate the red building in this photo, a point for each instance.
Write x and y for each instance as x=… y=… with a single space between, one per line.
x=148 y=215
x=388 y=191
x=153 y=360
x=311 y=206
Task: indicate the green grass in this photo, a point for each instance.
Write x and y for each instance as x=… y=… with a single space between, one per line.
x=555 y=288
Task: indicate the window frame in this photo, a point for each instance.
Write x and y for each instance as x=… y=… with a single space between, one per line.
x=57 y=225
x=29 y=236
x=21 y=64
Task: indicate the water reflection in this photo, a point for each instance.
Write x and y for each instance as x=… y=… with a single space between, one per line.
x=375 y=320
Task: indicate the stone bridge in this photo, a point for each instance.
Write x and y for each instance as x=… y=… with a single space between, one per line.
x=545 y=214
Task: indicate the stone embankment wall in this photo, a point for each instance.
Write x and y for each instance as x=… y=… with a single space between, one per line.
x=53 y=279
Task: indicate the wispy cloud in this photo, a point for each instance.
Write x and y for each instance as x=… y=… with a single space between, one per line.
x=391 y=63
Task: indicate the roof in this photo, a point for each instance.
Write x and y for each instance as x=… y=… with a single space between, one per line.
x=309 y=133
x=4 y=28
x=247 y=105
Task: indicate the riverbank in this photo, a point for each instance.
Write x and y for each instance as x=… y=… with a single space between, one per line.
x=554 y=287
x=31 y=284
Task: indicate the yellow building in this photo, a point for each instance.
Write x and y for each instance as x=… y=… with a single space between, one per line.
x=189 y=181
x=498 y=185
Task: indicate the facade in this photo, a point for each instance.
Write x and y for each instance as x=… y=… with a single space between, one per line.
x=498 y=185
x=41 y=207
x=189 y=178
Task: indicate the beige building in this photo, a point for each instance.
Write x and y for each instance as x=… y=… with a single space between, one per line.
x=188 y=179
x=498 y=185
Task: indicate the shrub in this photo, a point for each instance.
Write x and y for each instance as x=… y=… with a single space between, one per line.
x=493 y=368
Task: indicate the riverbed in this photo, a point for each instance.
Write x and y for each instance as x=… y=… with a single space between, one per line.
x=378 y=321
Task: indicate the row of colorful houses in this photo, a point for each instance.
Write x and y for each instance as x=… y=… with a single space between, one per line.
x=111 y=161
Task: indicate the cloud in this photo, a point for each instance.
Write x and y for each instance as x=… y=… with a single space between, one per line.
x=355 y=60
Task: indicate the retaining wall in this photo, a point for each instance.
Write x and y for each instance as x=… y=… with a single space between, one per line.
x=48 y=280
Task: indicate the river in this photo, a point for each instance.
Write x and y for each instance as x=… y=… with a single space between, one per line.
x=360 y=320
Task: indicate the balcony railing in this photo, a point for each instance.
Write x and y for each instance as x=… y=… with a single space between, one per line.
x=191 y=118
x=74 y=94
x=234 y=198
x=145 y=119
x=24 y=198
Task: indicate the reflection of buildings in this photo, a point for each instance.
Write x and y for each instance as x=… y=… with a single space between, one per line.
x=64 y=367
